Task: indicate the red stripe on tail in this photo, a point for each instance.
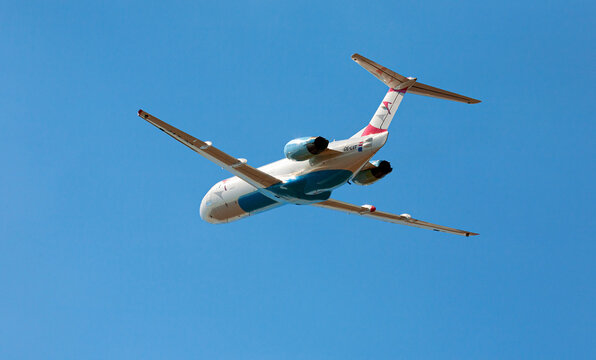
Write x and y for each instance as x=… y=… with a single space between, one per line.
x=369 y=129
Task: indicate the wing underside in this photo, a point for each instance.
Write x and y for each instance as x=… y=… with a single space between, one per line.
x=238 y=167
x=388 y=217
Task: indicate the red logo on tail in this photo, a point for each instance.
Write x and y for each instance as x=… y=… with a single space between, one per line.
x=386 y=106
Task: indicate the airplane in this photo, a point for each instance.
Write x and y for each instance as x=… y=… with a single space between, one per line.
x=313 y=167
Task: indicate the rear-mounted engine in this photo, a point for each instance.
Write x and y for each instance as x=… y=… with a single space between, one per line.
x=304 y=148
x=378 y=171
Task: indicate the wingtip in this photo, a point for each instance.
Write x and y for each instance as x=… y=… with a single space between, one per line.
x=468 y=234
x=142 y=114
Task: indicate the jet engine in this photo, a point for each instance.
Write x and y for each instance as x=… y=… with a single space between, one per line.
x=304 y=148
x=378 y=170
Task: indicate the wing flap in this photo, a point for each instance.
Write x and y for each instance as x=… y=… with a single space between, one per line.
x=388 y=217
x=236 y=166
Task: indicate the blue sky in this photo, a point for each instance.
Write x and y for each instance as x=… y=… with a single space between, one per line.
x=103 y=254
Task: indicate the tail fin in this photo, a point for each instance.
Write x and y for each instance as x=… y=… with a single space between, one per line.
x=382 y=119
x=398 y=85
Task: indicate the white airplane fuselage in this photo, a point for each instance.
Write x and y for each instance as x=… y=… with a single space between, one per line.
x=313 y=166
x=303 y=182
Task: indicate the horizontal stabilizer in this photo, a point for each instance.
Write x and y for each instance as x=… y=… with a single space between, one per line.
x=397 y=81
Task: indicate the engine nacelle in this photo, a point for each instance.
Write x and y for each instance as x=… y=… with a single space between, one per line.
x=304 y=148
x=369 y=176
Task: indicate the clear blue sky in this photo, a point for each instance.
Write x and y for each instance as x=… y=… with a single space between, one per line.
x=102 y=251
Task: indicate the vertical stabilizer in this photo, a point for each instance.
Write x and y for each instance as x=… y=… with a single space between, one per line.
x=382 y=118
x=398 y=85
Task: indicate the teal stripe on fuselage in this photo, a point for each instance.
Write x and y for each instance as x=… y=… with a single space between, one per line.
x=309 y=188
x=304 y=189
x=324 y=180
x=255 y=201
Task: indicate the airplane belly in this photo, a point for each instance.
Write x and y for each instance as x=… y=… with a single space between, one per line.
x=223 y=213
x=309 y=188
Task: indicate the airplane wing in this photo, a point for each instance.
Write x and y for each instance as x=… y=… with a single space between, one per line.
x=238 y=167
x=405 y=219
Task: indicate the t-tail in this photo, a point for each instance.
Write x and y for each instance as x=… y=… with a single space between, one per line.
x=398 y=86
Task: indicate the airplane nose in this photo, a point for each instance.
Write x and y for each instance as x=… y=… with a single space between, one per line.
x=207 y=208
x=204 y=209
